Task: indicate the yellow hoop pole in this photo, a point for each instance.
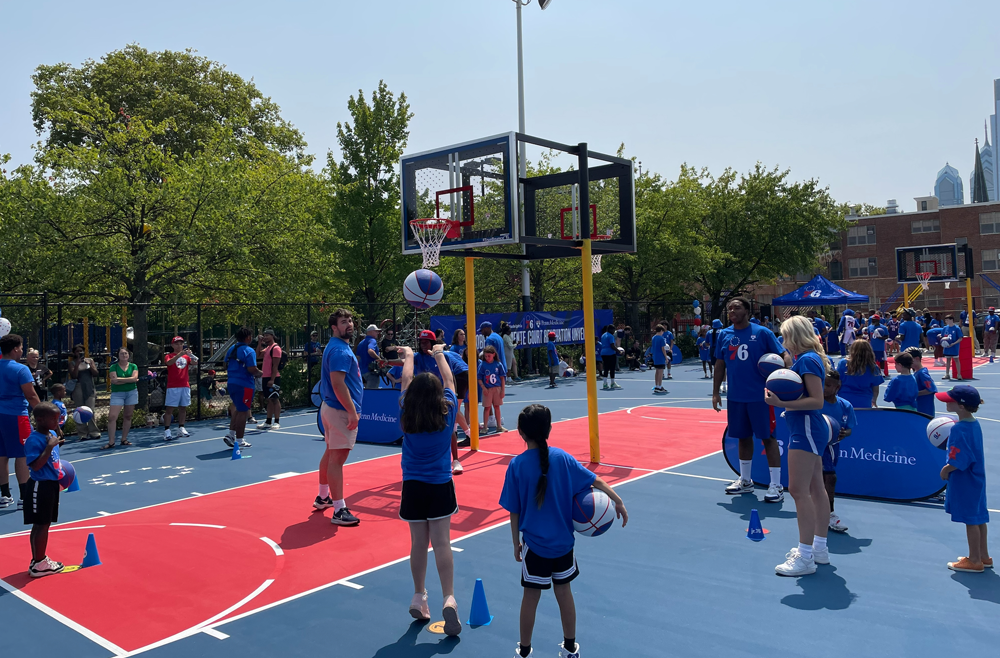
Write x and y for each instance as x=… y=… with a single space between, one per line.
x=590 y=348
x=906 y=295
x=472 y=351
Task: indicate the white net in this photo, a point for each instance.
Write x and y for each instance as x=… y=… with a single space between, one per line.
x=925 y=280
x=595 y=263
x=430 y=234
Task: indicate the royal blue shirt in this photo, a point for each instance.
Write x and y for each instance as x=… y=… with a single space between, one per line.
x=925 y=403
x=935 y=323
x=13 y=375
x=740 y=351
x=457 y=349
x=553 y=353
x=62 y=411
x=705 y=348
x=857 y=389
x=902 y=391
x=909 y=334
x=34 y=446
x=496 y=341
x=954 y=334
x=427 y=455
x=658 y=344
x=397 y=373
x=455 y=362
x=608 y=347
x=934 y=336
x=991 y=322
x=425 y=363
x=876 y=336
x=240 y=357
x=807 y=363
x=842 y=411
x=893 y=327
x=312 y=348
x=490 y=374
x=669 y=337
x=338 y=357
x=966 y=497
x=548 y=531
x=362 y=352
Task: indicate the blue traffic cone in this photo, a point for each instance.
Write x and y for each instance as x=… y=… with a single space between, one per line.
x=74 y=485
x=480 y=615
x=90 y=556
x=755 y=532
x=237 y=453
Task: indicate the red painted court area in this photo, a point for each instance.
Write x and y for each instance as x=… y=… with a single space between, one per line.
x=173 y=569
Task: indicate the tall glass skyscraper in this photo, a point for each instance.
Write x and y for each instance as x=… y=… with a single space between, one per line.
x=948 y=187
x=986 y=155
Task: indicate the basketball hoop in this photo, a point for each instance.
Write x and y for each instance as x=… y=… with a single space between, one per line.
x=430 y=234
x=924 y=279
x=595 y=259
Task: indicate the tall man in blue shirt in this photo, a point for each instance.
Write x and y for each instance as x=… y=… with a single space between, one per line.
x=241 y=368
x=17 y=395
x=909 y=332
x=342 y=391
x=740 y=347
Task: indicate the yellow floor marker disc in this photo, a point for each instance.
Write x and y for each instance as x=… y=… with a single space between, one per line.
x=71 y=569
x=436 y=627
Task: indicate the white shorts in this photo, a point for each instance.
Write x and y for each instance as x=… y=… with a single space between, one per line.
x=335 y=431
x=178 y=397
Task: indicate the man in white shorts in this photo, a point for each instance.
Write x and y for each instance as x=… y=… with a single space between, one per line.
x=341 y=389
x=178 y=387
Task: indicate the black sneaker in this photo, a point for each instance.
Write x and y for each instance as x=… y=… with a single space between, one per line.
x=229 y=440
x=344 y=517
x=323 y=503
x=44 y=567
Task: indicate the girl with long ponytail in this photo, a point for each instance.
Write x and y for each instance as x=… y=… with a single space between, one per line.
x=538 y=491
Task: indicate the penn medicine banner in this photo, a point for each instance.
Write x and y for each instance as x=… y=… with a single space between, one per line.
x=529 y=329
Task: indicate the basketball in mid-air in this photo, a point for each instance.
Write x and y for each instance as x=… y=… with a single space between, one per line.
x=423 y=289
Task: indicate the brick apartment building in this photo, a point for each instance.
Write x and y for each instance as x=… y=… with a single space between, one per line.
x=864 y=259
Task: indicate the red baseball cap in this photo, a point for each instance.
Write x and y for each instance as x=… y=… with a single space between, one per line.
x=552 y=334
x=177 y=339
x=427 y=334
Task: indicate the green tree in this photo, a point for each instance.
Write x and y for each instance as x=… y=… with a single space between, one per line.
x=363 y=209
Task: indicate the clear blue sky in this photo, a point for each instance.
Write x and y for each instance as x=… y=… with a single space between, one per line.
x=870 y=97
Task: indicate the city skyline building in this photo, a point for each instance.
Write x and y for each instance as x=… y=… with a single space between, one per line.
x=948 y=187
x=986 y=156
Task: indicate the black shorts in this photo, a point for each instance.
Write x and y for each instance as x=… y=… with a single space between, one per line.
x=610 y=362
x=461 y=385
x=421 y=501
x=272 y=390
x=540 y=572
x=42 y=505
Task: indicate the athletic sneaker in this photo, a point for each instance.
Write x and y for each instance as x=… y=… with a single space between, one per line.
x=20 y=504
x=566 y=654
x=275 y=426
x=229 y=439
x=670 y=376
x=616 y=387
x=795 y=565
x=167 y=436
x=821 y=556
x=344 y=517
x=245 y=444
x=775 y=494
x=607 y=386
x=517 y=651
x=44 y=567
x=323 y=503
x=966 y=565
x=739 y=486
x=836 y=524
x=184 y=432
x=264 y=426
x=251 y=420
x=456 y=467
x=6 y=501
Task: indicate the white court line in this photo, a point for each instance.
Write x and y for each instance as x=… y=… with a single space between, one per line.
x=195 y=493
x=457 y=549
x=270 y=542
x=700 y=477
x=282 y=476
x=347 y=583
x=218 y=635
x=104 y=513
x=201 y=525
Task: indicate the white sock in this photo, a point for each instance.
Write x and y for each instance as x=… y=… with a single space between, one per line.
x=232 y=433
x=745 y=465
x=806 y=551
x=324 y=490
x=775 y=474
x=819 y=543
x=339 y=505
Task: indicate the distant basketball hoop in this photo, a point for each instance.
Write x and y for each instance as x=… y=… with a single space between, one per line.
x=924 y=279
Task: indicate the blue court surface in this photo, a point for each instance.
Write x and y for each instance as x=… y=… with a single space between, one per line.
x=680 y=580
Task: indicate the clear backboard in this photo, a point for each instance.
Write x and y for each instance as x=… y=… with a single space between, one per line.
x=944 y=262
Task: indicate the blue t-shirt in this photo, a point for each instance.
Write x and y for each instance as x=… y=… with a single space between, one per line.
x=608 y=347
x=397 y=373
x=427 y=455
x=857 y=389
x=935 y=323
x=992 y=321
x=740 y=351
x=240 y=357
x=455 y=362
x=820 y=325
x=902 y=391
x=842 y=411
x=62 y=411
x=807 y=363
x=496 y=341
x=457 y=349
x=877 y=335
x=893 y=327
x=362 y=352
x=547 y=531
x=934 y=336
x=553 y=353
x=313 y=348
x=34 y=446
x=490 y=374
x=909 y=334
x=658 y=344
x=13 y=375
x=425 y=363
x=925 y=403
x=705 y=348
x=966 y=497
x=338 y=357
x=669 y=337
x=954 y=335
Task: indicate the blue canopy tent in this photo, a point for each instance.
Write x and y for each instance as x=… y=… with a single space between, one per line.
x=820 y=291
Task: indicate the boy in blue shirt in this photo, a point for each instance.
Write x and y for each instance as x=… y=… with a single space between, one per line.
x=902 y=390
x=990 y=326
x=41 y=510
x=661 y=357
x=538 y=491
x=705 y=352
x=553 y=355
x=925 y=383
x=843 y=412
x=965 y=473
x=58 y=392
x=491 y=375
x=951 y=341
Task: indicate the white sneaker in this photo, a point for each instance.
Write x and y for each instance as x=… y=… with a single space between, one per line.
x=607 y=387
x=775 y=494
x=251 y=420
x=566 y=654
x=615 y=386
x=795 y=565
x=821 y=556
x=836 y=524
x=275 y=426
x=44 y=567
x=517 y=651
x=456 y=467
x=244 y=443
x=184 y=432
x=167 y=436
x=739 y=486
x=264 y=426
x=6 y=501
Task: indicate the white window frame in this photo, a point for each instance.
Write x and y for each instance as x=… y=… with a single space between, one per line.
x=854 y=265
x=988 y=260
x=989 y=223
x=861 y=235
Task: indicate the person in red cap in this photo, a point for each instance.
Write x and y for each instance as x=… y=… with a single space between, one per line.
x=965 y=473
x=553 y=359
x=990 y=326
x=178 y=395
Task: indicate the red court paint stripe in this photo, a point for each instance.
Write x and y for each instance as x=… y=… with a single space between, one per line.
x=160 y=580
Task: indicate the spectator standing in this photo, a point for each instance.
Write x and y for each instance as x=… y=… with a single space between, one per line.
x=388 y=347
x=178 y=396
x=313 y=350
x=40 y=373
x=368 y=357
x=509 y=345
x=82 y=371
x=241 y=368
x=271 y=381
x=458 y=342
x=124 y=377
x=17 y=396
